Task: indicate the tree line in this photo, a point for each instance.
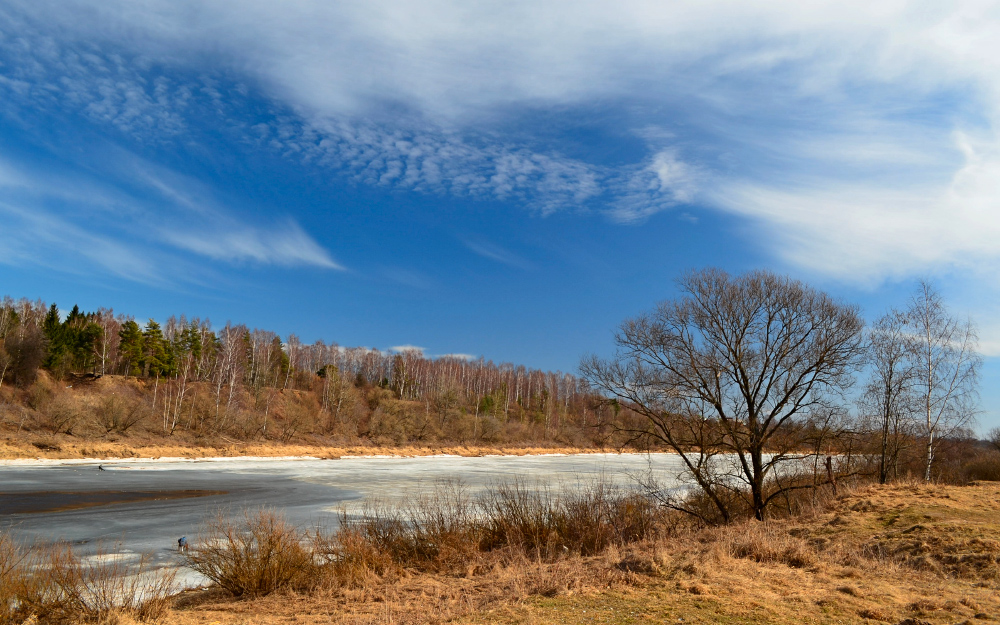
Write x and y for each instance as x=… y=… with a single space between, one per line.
x=206 y=378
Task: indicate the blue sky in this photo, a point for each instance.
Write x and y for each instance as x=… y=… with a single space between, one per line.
x=500 y=179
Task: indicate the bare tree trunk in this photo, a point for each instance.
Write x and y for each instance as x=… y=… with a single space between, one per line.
x=830 y=475
x=156 y=386
x=930 y=456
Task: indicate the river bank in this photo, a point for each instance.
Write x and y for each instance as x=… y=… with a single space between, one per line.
x=903 y=553
x=64 y=448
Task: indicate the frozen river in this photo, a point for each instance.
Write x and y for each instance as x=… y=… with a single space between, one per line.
x=309 y=492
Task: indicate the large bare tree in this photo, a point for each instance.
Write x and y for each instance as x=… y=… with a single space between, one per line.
x=734 y=366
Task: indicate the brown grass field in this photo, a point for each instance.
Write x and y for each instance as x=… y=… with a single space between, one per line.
x=927 y=553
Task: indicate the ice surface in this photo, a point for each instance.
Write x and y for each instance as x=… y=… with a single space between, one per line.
x=309 y=491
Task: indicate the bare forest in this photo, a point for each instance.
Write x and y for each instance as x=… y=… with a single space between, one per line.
x=100 y=374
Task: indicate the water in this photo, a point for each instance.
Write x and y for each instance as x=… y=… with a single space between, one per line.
x=309 y=492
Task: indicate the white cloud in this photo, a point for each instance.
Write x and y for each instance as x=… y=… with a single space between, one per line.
x=664 y=182
x=427 y=157
x=832 y=125
x=408 y=348
x=863 y=232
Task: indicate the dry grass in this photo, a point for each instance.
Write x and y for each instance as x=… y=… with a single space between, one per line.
x=445 y=531
x=586 y=520
x=51 y=584
x=851 y=560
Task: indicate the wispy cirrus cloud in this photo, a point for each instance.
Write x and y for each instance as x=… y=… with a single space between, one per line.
x=496 y=253
x=284 y=245
x=40 y=238
x=68 y=222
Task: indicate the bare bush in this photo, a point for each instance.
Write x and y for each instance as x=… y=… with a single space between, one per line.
x=10 y=562
x=61 y=415
x=446 y=529
x=431 y=531
x=985 y=467
x=591 y=519
x=119 y=412
x=517 y=515
x=352 y=559
x=254 y=556
x=111 y=582
x=51 y=583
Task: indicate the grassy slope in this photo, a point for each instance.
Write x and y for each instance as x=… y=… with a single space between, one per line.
x=880 y=554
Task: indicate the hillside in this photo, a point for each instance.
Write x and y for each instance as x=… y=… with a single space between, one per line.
x=96 y=384
x=116 y=417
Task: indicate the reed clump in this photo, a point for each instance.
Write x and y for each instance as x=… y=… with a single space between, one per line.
x=446 y=530
x=449 y=530
x=52 y=584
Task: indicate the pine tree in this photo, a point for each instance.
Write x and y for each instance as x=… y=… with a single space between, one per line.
x=52 y=330
x=79 y=334
x=157 y=357
x=130 y=348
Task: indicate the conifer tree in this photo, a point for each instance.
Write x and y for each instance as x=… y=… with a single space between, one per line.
x=52 y=330
x=79 y=334
x=157 y=357
x=130 y=348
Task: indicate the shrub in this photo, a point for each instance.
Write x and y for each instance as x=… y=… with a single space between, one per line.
x=516 y=515
x=110 y=584
x=119 y=412
x=254 y=556
x=434 y=530
x=51 y=583
x=443 y=530
x=986 y=467
x=352 y=559
x=10 y=562
x=587 y=520
x=61 y=415
x=448 y=529
x=596 y=517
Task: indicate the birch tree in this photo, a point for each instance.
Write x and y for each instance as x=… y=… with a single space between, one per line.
x=947 y=364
